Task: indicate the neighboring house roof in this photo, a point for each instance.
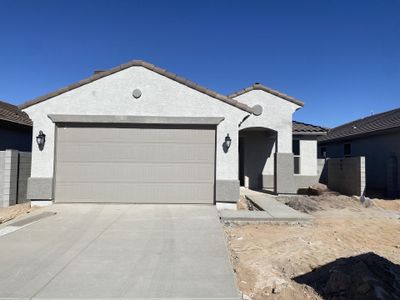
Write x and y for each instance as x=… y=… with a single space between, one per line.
x=259 y=86
x=365 y=126
x=308 y=129
x=11 y=113
x=148 y=66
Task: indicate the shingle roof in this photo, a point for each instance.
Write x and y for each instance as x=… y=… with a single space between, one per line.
x=369 y=125
x=304 y=128
x=148 y=66
x=259 y=86
x=11 y=113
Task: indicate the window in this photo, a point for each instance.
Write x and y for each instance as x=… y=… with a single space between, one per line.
x=347 y=150
x=296 y=156
x=322 y=152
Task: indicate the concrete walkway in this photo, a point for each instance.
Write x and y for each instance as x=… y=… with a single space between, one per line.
x=89 y=251
x=270 y=210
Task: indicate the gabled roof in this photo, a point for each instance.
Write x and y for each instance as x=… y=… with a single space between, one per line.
x=365 y=126
x=259 y=86
x=148 y=66
x=11 y=113
x=308 y=129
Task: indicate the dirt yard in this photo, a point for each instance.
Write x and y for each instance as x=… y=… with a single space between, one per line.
x=9 y=213
x=349 y=251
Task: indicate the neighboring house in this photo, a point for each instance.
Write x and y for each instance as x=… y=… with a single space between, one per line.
x=15 y=148
x=15 y=128
x=377 y=138
x=138 y=133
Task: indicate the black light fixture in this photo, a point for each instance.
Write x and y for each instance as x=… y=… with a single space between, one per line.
x=40 y=140
x=228 y=141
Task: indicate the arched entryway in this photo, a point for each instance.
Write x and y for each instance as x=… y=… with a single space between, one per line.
x=257 y=146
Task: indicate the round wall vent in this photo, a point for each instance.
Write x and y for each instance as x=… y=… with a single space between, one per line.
x=136 y=93
x=257 y=110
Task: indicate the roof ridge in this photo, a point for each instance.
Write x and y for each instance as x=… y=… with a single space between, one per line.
x=387 y=120
x=304 y=123
x=149 y=66
x=377 y=116
x=259 y=86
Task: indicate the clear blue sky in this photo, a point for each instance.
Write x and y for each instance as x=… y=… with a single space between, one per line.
x=341 y=57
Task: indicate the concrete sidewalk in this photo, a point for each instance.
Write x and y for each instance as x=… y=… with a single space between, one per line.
x=270 y=210
x=89 y=251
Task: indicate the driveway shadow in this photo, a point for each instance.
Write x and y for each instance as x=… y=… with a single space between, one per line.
x=365 y=276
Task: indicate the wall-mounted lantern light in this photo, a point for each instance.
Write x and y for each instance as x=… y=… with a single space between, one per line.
x=228 y=141
x=40 y=140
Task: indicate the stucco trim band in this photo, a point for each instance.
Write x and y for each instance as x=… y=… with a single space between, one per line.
x=305 y=181
x=100 y=119
x=227 y=190
x=284 y=177
x=40 y=188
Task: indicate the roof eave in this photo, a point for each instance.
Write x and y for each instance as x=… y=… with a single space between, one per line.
x=309 y=133
x=360 y=135
x=258 y=86
x=151 y=67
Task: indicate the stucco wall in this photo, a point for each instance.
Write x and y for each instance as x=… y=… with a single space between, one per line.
x=112 y=95
x=377 y=150
x=308 y=156
x=277 y=115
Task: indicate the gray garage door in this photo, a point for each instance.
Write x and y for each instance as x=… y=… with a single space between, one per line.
x=137 y=165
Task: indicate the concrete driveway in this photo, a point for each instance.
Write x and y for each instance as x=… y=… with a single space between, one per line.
x=118 y=251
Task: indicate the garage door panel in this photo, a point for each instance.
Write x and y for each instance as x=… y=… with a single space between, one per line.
x=77 y=152
x=137 y=165
x=134 y=135
x=133 y=172
x=140 y=192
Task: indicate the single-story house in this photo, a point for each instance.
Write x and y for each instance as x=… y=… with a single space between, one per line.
x=15 y=128
x=377 y=138
x=138 y=133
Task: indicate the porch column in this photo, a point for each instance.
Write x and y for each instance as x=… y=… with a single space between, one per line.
x=284 y=173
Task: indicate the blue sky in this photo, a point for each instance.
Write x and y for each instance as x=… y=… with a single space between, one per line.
x=341 y=57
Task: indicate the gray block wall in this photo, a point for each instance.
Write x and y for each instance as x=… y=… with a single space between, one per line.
x=24 y=172
x=14 y=173
x=347 y=175
x=322 y=170
x=380 y=152
x=2 y=164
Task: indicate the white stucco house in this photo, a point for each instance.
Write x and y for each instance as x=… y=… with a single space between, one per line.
x=138 y=133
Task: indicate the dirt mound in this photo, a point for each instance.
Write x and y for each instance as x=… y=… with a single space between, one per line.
x=11 y=212
x=366 y=276
x=349 y=251
x=386 y=204
x=326 y=201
